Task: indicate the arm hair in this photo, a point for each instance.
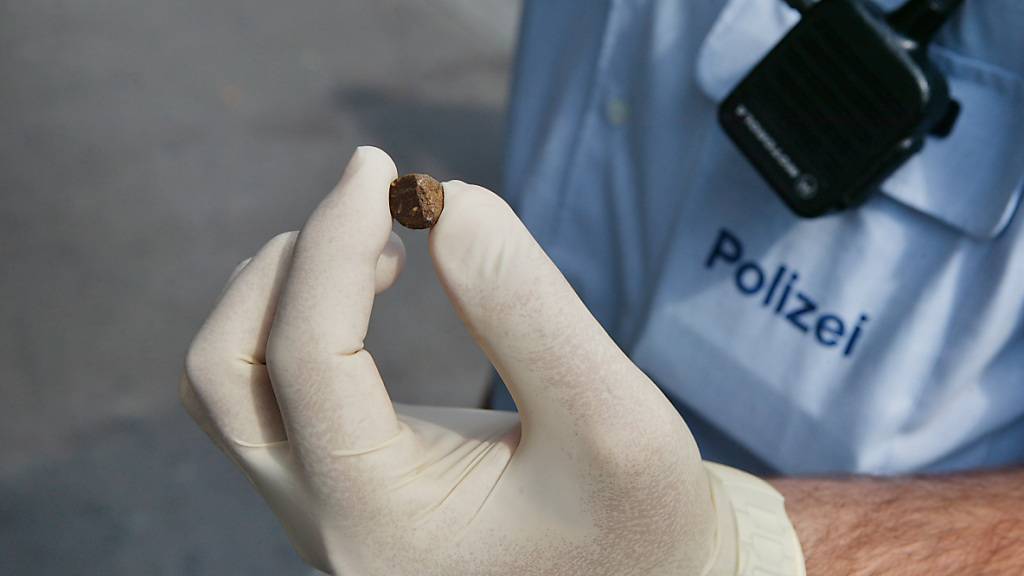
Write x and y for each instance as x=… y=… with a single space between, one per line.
x=921 y=526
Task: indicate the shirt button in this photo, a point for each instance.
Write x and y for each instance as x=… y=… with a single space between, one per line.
x=617 y=111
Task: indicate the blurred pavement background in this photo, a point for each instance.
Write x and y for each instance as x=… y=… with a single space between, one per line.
x=145 y=149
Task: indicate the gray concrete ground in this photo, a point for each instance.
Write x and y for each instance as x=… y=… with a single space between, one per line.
x=145 y=149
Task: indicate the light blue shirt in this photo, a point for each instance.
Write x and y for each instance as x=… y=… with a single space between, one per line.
x=885 y=339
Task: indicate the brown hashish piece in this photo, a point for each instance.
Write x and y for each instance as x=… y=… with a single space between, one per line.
x=416 y=200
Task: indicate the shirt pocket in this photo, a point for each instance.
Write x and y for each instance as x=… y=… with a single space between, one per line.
x=970 y=180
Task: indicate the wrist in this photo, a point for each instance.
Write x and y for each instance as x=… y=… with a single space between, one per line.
x=826 y=513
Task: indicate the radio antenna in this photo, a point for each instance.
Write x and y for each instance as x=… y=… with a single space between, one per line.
x=918 y=20
x=801 y=6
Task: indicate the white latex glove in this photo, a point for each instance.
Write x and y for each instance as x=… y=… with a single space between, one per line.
x=597 y=475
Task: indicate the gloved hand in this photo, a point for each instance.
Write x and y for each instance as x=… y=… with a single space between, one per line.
x=598 y=474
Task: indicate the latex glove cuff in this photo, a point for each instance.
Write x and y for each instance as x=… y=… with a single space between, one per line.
x=755 y=536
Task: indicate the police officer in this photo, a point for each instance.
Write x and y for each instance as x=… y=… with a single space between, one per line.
x=884 y=340
x=887 y=340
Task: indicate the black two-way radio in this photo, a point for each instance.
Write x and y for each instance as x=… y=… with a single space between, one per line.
x=845 y=98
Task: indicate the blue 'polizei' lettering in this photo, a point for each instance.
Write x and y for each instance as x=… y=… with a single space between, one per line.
x=798 y=308
x=795 y=314
x=830 y=330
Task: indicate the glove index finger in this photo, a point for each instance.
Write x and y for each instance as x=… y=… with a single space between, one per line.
x=330 y=393
x=561 y=367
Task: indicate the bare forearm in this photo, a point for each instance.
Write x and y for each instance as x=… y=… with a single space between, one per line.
x=934 y=526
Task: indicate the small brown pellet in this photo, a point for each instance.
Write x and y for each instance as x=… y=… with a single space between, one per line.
x=416 y=200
